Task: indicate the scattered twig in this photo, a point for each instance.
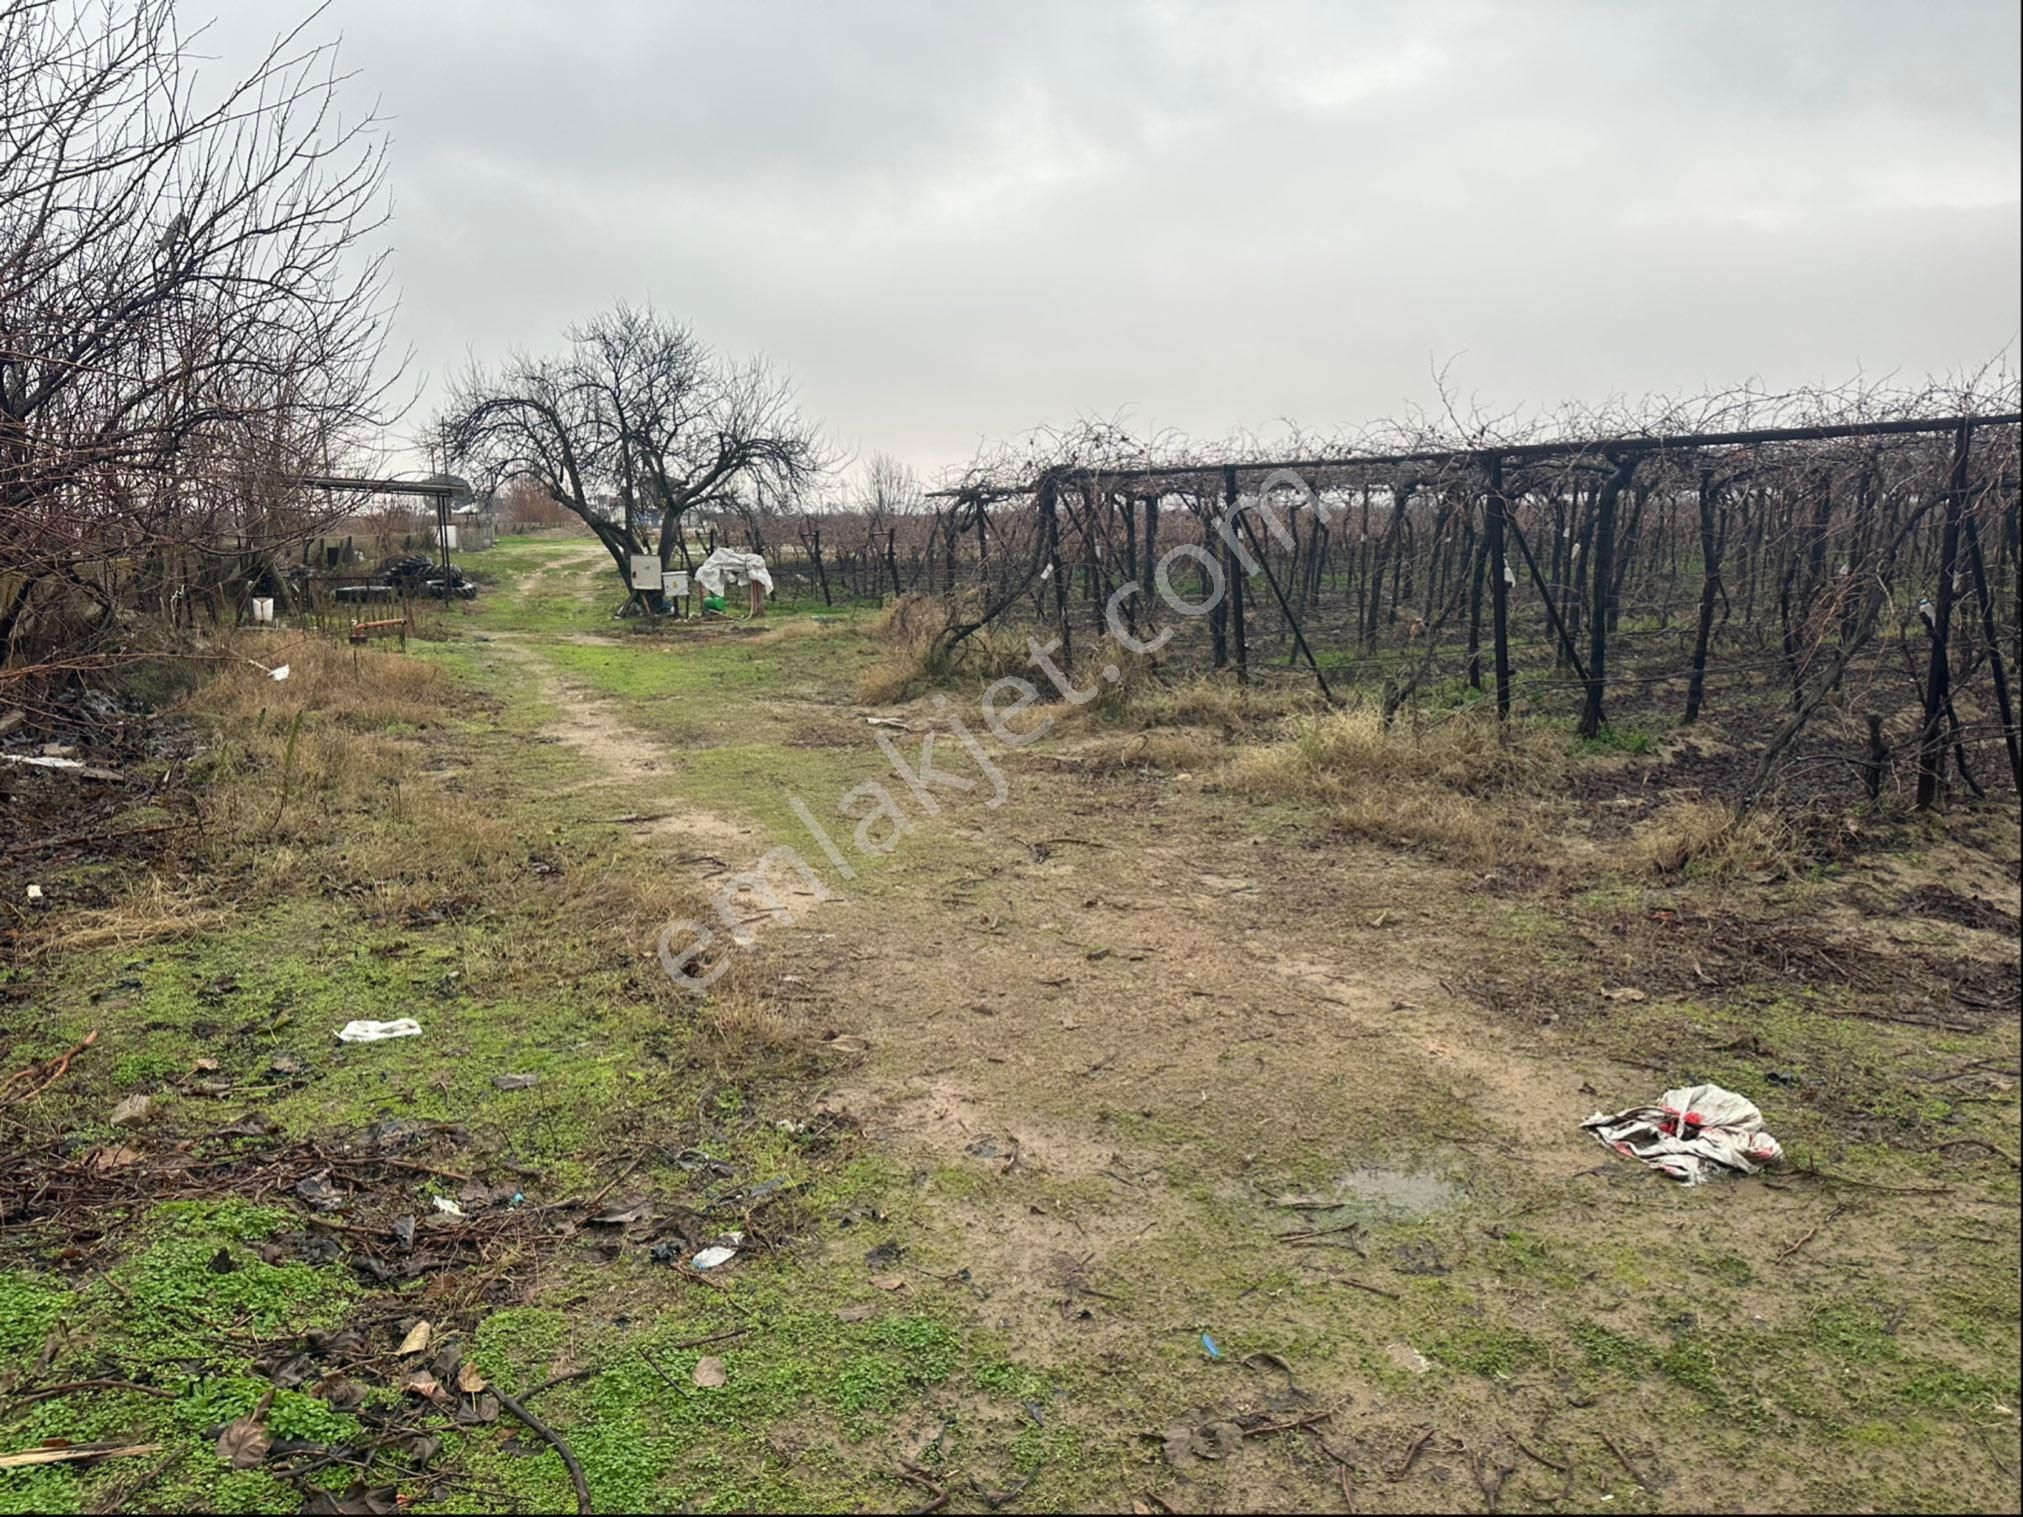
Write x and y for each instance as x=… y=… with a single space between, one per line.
x=555 y=1441
x=1623 y=1460
x=696 y=1276
x=1303 y=1234
x=1411 y=1456
x=1810 y=1233
x=554 y=1380
x=1287 y=1427
x=997 y=1500
x=638 y=1160
x=1538 y=1458
x=672 y=1382
x=937 y=1496
x=407 y=1164
x=1489 y=1478
x=1375 y=1290
x=28 y=1398
x=1813 y=1172
x=2007 y=1158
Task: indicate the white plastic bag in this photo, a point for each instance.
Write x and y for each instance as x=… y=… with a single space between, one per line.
x=374 y=1032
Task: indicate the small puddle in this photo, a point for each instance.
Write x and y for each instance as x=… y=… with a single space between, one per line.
x=1406 y=1194
x=1374 y=1193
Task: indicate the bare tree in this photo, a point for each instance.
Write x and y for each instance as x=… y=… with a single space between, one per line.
x=191 y=314
x=638 y=407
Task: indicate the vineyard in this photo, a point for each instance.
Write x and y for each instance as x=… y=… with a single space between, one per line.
x=1837 y=580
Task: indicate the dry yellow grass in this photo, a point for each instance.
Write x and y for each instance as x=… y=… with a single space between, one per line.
x=1711 y=838
x=1179 y=749
x=360 y=687
x=154 y=912
x=1330 y=755
x=791 y=631
x=913 y=625
x=1220 y=703
x=1418 y=785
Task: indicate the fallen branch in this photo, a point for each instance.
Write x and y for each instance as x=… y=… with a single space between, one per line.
x=75 y=1451
x=1624 y=1461
x=937 y=1497
x=51 y=1072
x=555 y=1441
x=1411 y=1456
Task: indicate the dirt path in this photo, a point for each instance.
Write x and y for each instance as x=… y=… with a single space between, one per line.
x=1121 y=1040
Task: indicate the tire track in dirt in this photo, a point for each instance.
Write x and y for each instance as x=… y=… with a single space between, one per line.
x=628 y=762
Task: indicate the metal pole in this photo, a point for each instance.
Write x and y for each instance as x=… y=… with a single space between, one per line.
x=1499 y=585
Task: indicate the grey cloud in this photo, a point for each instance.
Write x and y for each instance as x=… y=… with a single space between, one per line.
x=955 y=221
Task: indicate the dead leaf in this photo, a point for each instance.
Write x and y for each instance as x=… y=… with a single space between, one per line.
x=1216 y=1440
x=1627 y=993
x=469 y=1381
x=844 y=1042
x=416 y=1340
x=319 y=1193
x=709 y=1372
x=888 y=1282
x=855 y=1313
x=515 y=1082
x=1269 y=1361
x=103 y=1159
x=244 y=1443
x=132 y=1111
x=422 y=1383
x=342 y=1395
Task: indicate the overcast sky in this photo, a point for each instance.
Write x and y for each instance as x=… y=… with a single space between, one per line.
x=953 y=222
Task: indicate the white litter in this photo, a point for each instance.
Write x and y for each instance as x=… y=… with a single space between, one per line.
x=42 y=760
x=373 y=1032
x=710 y=1258
x=727 y=566
x=280 y=673
x=448 y=1207
x=34 y=892
x=1691 y=1134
